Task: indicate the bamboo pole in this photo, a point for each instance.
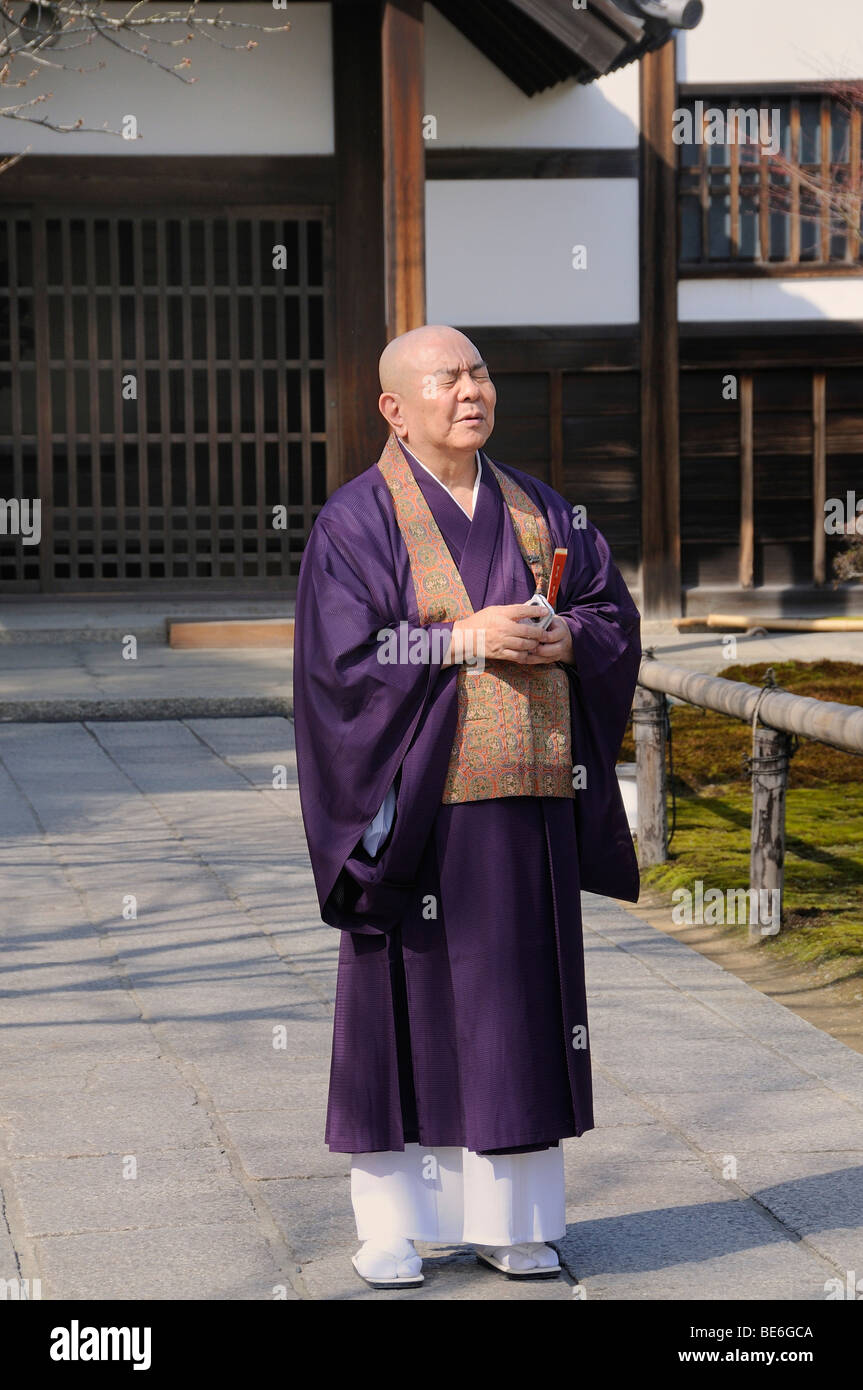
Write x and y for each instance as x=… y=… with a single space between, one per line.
x=743 y=620
x=780 y=714
x=825 y=721
x=747 y=621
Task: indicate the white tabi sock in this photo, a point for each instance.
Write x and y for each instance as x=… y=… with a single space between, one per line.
x=392 y=1258
x=529 y=1254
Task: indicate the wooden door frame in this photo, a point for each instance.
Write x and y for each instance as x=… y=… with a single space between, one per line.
x=36 y=196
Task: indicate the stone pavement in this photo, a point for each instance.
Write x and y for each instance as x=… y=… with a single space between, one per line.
x=99 y=618
x=78 y=680
x=73 y=680
x=160 y=941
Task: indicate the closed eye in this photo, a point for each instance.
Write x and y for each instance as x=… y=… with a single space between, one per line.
x=479 y=373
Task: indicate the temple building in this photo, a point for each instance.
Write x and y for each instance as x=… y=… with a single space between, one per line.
x=638 y=210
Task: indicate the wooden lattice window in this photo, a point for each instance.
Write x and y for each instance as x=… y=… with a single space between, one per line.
x=164 y=389
x=779 y=190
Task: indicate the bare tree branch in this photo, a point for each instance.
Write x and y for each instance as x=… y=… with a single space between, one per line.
x=27 y=30
x=15 y=113
x=824 y=191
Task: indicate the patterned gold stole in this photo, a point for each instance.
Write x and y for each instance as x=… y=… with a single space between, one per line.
x=513 y=735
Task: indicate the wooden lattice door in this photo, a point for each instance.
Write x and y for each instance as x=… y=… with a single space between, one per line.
x=165 y=392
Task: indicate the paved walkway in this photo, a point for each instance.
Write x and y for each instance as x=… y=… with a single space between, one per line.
x=156 y=1140
x=77 y=680
x=103 y=619
x=52 y=680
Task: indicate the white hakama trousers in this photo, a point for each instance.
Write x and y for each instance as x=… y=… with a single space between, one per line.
x=450 y=1196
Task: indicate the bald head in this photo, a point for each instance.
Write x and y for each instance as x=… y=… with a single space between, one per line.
x=437 y=395
x=412 y=353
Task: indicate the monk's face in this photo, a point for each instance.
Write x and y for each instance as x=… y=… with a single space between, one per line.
x=446 y=397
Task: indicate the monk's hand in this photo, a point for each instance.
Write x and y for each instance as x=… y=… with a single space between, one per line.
x=555 y=644
x=504 y=637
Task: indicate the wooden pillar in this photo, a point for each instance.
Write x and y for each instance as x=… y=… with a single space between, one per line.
x=819 y=476
x=359 y=234
x=746 y=567
x=660 y=440
x=403 y=164
x=44 y=419
x=555 y=426
x=769 y=768
x=648 y=728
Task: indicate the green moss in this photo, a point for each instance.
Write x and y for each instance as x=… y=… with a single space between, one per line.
x=823 y=889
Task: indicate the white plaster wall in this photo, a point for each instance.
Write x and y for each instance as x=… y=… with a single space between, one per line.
x=499 y=251
x=476 y=105
x=773 y=41
x=276 y=99
x=758 y=299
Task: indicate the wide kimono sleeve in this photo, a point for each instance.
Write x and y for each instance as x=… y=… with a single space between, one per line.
x=606 y=638
x=373 y=710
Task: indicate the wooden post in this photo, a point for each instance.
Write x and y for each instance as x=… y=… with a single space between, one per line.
x=660 y=428
x=359 y=235
x=769 y=767
x=648 y=726
x=555 y=427
x=44 y=424
x=404 y=164
x=746 y=574
x=819 y=476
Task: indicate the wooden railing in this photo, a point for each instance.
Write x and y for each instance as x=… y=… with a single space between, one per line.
x=776 y=717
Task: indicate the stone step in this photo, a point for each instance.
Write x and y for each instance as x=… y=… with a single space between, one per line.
x=214 y=633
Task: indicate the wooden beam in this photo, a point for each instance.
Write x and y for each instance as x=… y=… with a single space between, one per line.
x=404 y=164
x=359 y=232
x=181 y=180
x=660 y=440
x=210 y=634
x=744 y=90
x=512 y=162
x=729 y=345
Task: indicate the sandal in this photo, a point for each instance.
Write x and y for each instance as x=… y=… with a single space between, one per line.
x=393 y=1266
x=528 y=1260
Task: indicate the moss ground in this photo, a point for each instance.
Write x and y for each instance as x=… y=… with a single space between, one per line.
x=823 y=894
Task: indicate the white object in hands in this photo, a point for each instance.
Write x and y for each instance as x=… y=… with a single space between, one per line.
x=379 y=828
x=540 y=601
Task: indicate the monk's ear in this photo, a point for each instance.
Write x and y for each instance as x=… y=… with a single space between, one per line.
x=390 y=407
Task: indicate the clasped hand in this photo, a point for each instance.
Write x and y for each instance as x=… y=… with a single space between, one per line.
x=508 y=639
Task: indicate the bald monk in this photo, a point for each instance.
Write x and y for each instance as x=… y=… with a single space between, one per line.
x=456 y=768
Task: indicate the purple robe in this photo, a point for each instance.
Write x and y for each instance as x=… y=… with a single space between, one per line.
x=460 y=1016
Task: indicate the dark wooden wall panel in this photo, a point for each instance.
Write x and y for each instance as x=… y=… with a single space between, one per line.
x=707 y=434
x=785 y=564
x=521 y=431
x=845 y=388
x=601 y=393
x=845 y=434
x=711 y=565
x=784 y=436
x=568 y=413
x=787 y=391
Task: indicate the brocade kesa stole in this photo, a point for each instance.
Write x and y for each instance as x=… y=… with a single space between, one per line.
x=513 y=735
